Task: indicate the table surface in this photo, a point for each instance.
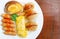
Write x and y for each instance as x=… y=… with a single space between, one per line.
x=51 y=12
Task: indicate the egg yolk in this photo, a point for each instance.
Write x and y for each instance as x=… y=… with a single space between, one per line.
x=14 y=8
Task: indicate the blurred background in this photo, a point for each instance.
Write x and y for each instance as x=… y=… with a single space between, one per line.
x=51 y=12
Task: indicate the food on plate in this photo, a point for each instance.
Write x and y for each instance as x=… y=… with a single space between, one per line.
x=8 y=27
x=7 y=16
x=8 y=24
x=20 y=26
x=13 y=7
x=21 y=13
x=18 y=19
x=7 y=21
x=28 y=6
x=13 y=17
x=29 y=11
x=10 y=33
x=30 y=14
x=31 y=26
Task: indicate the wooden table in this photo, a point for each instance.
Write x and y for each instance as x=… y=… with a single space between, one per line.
x=51 y=12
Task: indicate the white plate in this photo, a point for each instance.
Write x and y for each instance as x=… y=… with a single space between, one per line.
x=38 y=20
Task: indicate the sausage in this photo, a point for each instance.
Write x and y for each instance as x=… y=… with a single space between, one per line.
x=7 y=16
x=7 y=21
x=10 y=33
x=31 y=26
x=8 y=29
x=28 y=6
x=7 y=24
x=30 y=14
